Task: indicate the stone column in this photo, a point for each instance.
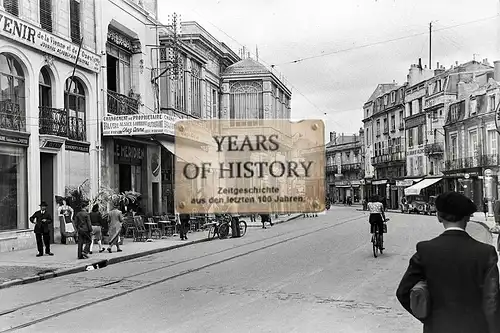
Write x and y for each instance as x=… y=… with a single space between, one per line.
x=203 y=95
x=224 y=101
x=268 y=99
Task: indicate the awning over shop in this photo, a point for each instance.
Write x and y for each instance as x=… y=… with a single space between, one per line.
x=415 y=189
x=379 y=182
x=183 y=154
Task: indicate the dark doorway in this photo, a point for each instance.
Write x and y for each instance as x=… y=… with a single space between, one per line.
x=156 y=198
x=47 y=185
x=125 y=178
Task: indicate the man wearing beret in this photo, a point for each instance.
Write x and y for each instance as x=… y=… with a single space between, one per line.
x=461 y=274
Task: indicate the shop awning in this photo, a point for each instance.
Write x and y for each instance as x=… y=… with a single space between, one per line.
x=415 y=189
x=184 y=154
x=379 y=182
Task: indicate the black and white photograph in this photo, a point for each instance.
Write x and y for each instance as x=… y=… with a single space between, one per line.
x=276 y=166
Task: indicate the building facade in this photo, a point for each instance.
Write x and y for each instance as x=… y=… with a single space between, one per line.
x=472 y=139
x=384 y=125
x=344 y=167
x=47 y=107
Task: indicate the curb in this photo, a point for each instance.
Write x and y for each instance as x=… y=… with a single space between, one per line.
x=111 y=261
x=99 y=263
x=279 y=222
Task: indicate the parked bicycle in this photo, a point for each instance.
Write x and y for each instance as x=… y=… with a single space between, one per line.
x=377 y=239
x=221 y=227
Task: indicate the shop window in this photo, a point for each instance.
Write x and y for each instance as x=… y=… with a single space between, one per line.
x=74 y=17
x=11 y=7
x=74 y=103
x=420 y=134
x=46 y=14
x=13 y=188
x=12 y=94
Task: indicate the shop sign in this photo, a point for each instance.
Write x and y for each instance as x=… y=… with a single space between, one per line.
x=414 y=122
x=419 y=151
x=33 y=36
x=342 y=183
x=52 y=144
x=77 y=146
x=128 y=153
x=404 y=183
x=14 y=139
x=248 y=169
x=379 y=182
x=138 y=124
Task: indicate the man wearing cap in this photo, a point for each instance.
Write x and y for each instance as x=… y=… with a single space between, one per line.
x=42 y=220
x=461 y=274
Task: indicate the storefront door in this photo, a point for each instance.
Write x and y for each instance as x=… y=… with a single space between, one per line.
x=125 y=178
x=47 y=186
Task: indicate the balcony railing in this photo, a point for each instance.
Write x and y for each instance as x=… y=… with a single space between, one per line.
x=12 y=117
x=472 y=162
x=387 y=158
x=119 y=104
x=351 y=167
x=434 y=149
x=57 y=122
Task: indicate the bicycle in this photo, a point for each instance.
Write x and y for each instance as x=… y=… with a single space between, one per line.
x=221 y=227
x=377 y=242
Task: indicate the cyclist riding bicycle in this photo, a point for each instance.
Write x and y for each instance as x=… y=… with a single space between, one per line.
x=377 y=217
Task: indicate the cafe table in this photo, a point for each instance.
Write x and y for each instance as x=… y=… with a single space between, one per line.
x=150 y=225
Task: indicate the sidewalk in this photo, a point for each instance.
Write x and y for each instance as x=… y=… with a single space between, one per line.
x=22 y=267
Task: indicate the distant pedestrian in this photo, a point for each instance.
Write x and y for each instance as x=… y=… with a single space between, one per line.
x=84 y=230
x=42 y=220
x=184 y=227
x=461 y=274
x=115 y=228
x=265 y=218
x=97 y=224
x=496 y=212
x=485 y=208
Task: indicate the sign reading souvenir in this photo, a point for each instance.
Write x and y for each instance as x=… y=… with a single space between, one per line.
x=31 y=35
x=248 y=167
x=138 y=124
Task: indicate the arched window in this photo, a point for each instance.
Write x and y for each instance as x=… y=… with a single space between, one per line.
x=246 y=100
x=44 y=88
x=74 y=103
x=12 y=94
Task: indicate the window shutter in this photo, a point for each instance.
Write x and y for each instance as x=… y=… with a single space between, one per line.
x=11 y=7
x=75 y=20
x=46 y=14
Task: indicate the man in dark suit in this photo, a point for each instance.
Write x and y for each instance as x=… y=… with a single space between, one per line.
x=42 y=221
x=84 y=229
x=184 y=219
x=461 y=274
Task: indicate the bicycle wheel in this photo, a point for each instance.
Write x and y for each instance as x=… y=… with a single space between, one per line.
x=243 y=228
x=223 y=230
x=374 y=245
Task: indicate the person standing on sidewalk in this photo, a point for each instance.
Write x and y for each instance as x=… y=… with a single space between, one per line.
x=461 y=274
x=42 y=219
x=184 y=219
x=97 y=222
x=115 y=227
x=84 y=229
x=496 y=212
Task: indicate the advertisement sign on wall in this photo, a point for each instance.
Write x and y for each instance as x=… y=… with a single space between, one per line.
x=33 y=36
x=138 y=124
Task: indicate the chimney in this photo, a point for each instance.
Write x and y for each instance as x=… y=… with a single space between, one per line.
x=437 y=65
x=332 y=136
x=497 y=70
x=420 y=63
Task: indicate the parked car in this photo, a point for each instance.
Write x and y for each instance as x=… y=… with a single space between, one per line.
x=415 y=204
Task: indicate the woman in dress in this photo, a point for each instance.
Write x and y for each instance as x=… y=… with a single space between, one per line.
x=66 y=213
x=115 y=227
x=97 y=222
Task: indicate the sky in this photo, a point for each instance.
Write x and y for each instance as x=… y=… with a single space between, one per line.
x=346 y=47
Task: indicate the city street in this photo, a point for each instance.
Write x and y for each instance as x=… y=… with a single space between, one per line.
x=307 y=275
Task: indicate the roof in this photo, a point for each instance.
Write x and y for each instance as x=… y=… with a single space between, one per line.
x=246 y=66
x=381 y=89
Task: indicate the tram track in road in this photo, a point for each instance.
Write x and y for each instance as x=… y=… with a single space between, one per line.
x=165 y=279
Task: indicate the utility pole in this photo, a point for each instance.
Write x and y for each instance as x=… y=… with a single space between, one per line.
x=430 y=44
